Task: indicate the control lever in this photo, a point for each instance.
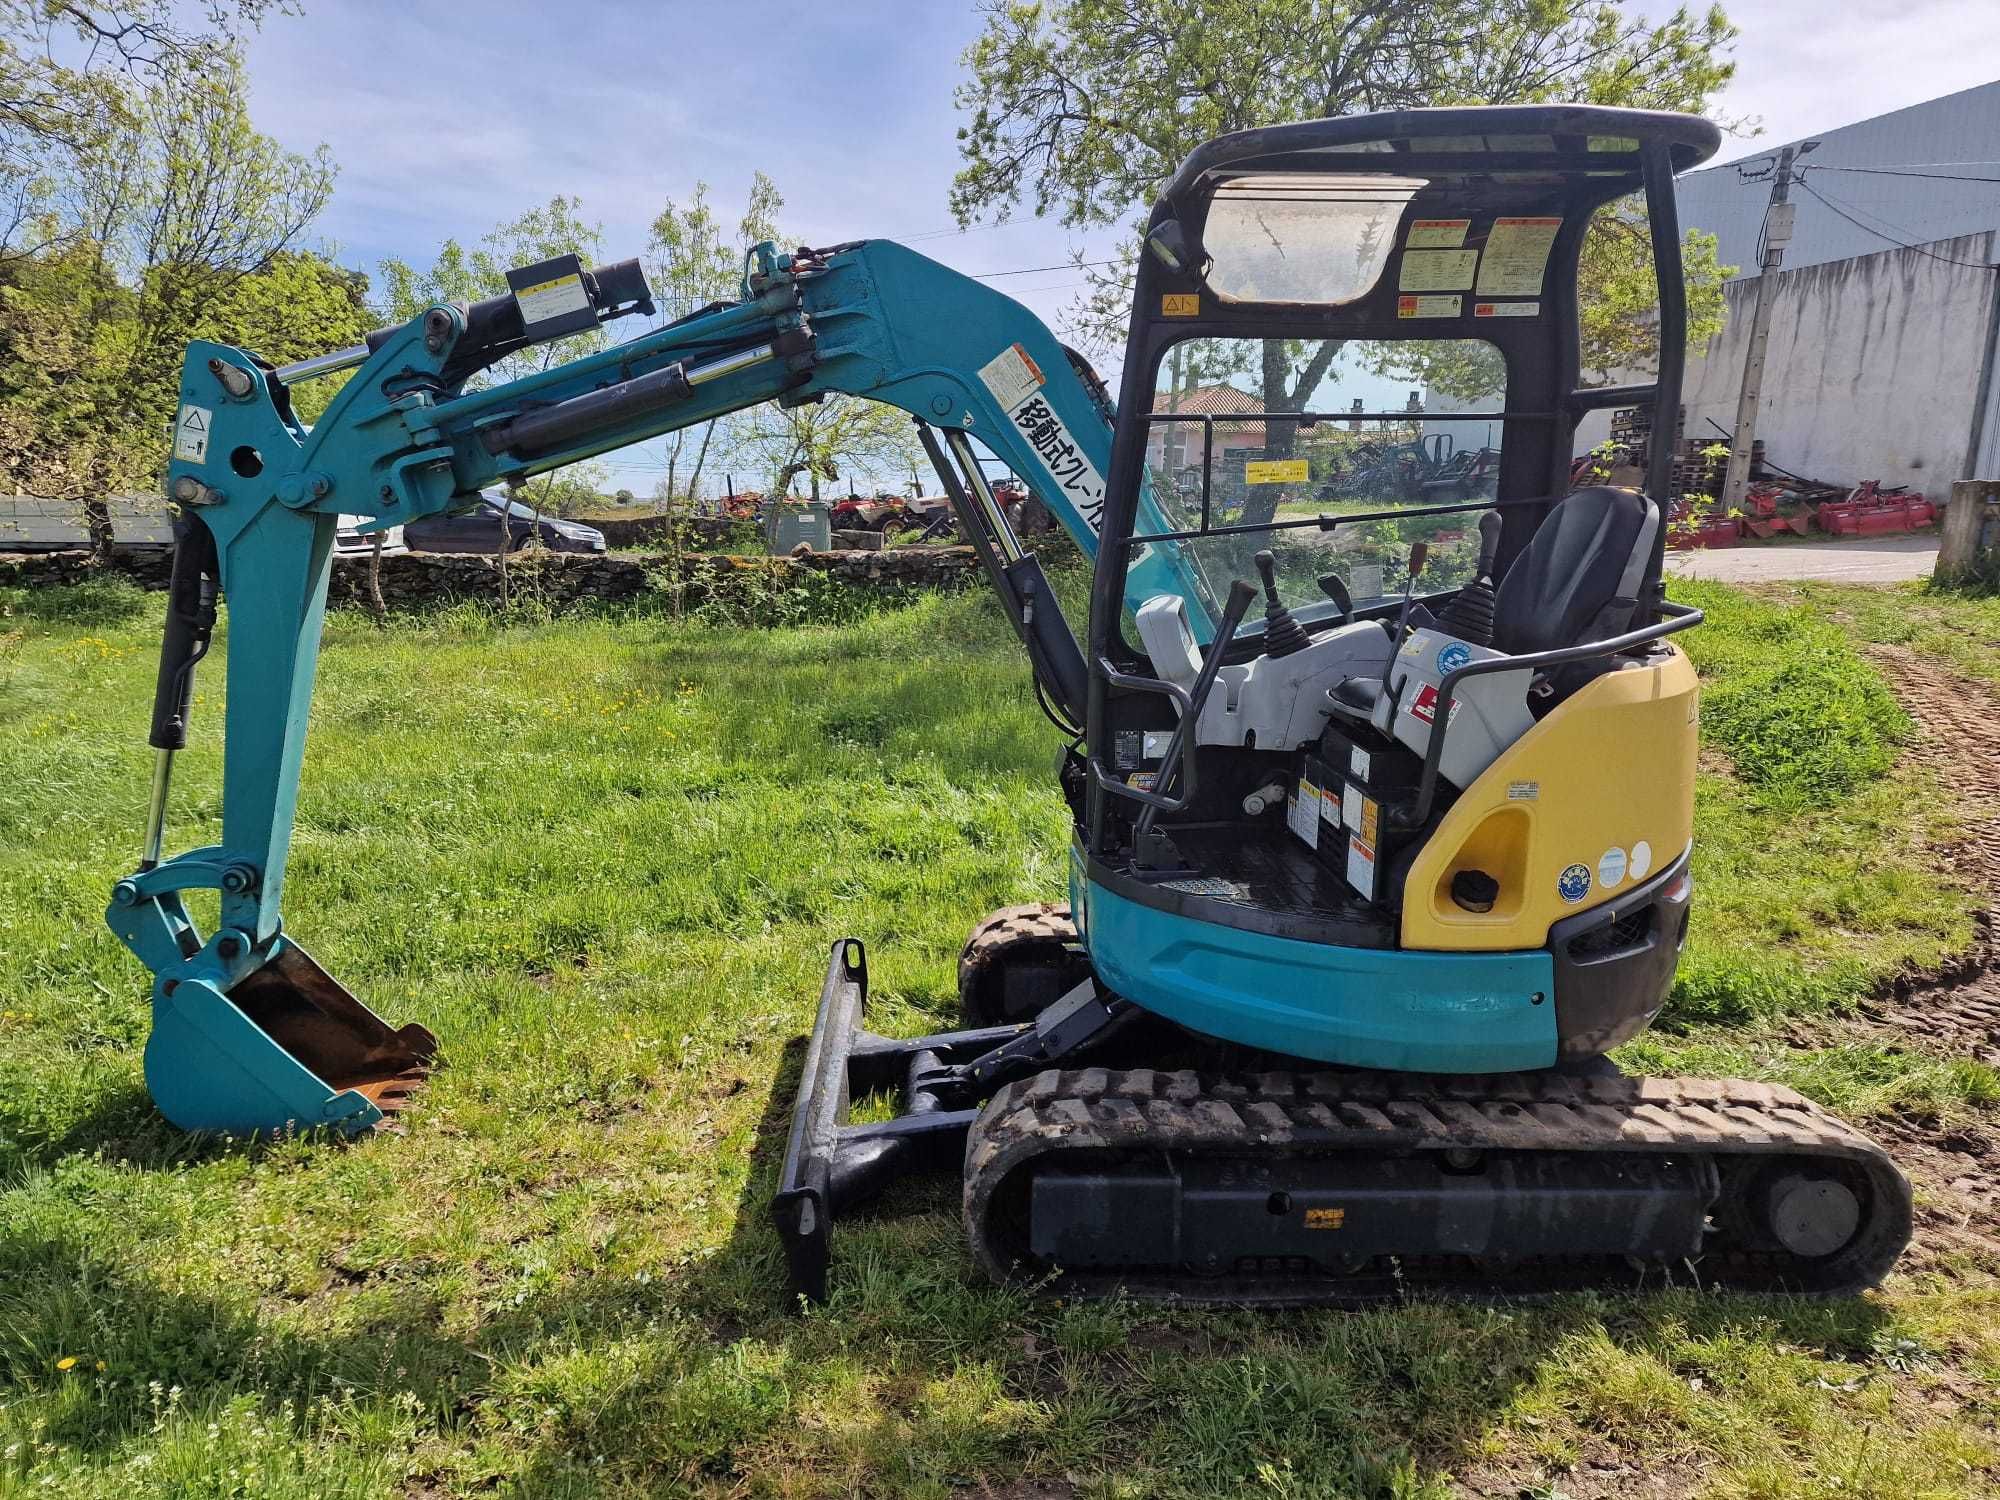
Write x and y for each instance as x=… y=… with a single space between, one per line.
x=1335 y=588
x=1469 y=616
x=1283 y=635
x=1240 y=596
x=1417 y=555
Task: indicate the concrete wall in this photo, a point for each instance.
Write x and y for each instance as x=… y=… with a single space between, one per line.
x=1874 y=368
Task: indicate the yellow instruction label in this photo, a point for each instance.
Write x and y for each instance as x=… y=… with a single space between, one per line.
x=552 y=299
x=1437 y=270
x=1437 y=234
x=1180 y=305
x=1517 y=253
x=1275 y=471
x=1326 y=1218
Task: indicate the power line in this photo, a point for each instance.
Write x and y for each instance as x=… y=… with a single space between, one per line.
x=1068 y=265
x=1912 y=172
x=1975 y=265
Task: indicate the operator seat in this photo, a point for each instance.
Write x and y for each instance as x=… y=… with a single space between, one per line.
x=1576 y=581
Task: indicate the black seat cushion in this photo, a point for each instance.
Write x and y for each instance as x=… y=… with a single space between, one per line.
x=1589 y=554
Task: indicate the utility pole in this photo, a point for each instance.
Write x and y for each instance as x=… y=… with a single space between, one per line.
x=1777 y=234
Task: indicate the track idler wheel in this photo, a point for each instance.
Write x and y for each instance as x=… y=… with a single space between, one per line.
x=1018 y=962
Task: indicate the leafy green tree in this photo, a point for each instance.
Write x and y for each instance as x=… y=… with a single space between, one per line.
x=160 y=219
x=691 y=263
x=840 y=438
x=461 y=275
x=1081 y=109
x=71 y=74
x=299 y=305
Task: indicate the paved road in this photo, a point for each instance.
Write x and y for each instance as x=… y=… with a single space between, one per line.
x=1884 y=559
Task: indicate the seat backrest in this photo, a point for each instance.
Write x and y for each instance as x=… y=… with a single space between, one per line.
x=1578 y=580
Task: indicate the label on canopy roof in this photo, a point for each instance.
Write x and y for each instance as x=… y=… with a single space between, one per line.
x=1437 y=234
x=1436 y=305
x=1437 y=270
x=1517 y=253
x=1506 y=309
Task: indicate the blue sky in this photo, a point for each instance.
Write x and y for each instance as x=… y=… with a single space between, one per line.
x=447 y=118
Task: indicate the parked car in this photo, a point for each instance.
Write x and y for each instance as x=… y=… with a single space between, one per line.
x=349 y=540
x=477 y=529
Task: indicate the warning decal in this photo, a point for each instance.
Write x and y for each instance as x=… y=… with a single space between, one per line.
x=1180 y=304
x=1275 y=471
x=1303 y=813
x=1011 y=376
x=1517 y=253
x=191 y=434
x=552 y=299
x=1437 y=270
x=1437 y=234
x=1361 y=866
x=1436 y=305
x=1016 y=383
x=1506 y=309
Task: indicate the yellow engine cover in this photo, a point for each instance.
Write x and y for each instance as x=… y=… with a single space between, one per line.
x=1594 y=799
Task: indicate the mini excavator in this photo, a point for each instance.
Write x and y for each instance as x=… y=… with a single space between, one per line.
x=1364 y=883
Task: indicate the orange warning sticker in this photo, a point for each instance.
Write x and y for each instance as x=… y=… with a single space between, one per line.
x=1437 y=305
x=1180 y=304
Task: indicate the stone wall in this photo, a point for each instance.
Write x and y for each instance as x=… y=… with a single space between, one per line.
x=698 y=533
x=414 y=580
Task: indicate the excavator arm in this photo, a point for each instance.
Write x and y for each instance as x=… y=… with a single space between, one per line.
x=249 y=1032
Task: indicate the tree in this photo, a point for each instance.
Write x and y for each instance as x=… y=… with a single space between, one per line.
x=841 y=437
x=70 y=72
x=458 y=275
x=299 y=305
x=692 y=264
x=158 y=221
x=1083 y=108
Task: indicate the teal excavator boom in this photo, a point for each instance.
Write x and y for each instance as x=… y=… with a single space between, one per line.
x=249 y=1033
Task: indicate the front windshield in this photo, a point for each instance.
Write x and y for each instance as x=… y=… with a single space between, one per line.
x=1268 y=430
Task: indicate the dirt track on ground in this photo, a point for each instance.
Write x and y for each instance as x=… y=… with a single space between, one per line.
x=1956 y=1168
x=1959 y=722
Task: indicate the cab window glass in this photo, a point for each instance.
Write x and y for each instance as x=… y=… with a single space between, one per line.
x=1256 y=460
x=1303 y=237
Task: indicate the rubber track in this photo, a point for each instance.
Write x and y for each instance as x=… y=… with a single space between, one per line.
x=1744 y=1126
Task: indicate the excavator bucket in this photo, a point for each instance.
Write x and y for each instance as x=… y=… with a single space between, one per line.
x=286 y=1047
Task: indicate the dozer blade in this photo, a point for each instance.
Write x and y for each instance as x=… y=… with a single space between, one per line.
x=287 y=1047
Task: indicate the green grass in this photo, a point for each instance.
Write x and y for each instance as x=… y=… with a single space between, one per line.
x=604 y=859
x=1961 y=628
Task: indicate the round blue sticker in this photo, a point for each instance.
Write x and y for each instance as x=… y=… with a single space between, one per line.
x=1574 y=883
x=1454 y=656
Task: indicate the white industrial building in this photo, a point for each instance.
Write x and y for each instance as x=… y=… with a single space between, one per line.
x=1886 y=320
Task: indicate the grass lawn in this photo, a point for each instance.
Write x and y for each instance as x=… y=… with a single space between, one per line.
x=604 y=860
